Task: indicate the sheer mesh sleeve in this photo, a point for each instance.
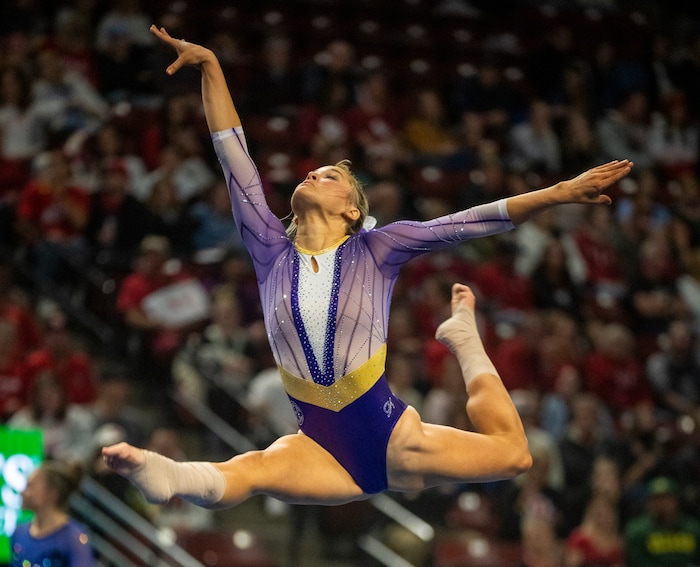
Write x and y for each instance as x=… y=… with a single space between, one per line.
x=396 y=243
x=262 y=232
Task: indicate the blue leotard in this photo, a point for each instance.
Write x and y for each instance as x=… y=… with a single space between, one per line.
x=339 y=391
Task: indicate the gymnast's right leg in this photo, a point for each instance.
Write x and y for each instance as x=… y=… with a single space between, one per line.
x=294 y=469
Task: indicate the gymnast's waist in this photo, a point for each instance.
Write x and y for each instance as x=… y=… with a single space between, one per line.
x=343 y=391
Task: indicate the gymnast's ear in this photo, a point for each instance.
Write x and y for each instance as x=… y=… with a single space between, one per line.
x=351 y=215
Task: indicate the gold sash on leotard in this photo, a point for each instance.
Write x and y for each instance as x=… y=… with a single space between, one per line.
x=343 y=391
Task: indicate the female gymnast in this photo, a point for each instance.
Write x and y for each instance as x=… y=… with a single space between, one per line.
x=325 y=286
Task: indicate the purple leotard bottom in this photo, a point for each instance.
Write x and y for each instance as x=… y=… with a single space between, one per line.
x=358 y=435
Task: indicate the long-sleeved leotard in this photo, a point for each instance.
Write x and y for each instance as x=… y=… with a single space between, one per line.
x=335 y=376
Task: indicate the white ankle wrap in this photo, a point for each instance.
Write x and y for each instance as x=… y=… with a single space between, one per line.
x=460 y=334
x=161 y=478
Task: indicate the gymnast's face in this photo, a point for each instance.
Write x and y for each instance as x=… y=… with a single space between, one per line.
x=326 y=190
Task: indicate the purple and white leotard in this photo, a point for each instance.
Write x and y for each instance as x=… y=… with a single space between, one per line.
x=328 y=329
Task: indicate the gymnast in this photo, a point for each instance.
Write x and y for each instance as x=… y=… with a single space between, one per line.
x=325 y=284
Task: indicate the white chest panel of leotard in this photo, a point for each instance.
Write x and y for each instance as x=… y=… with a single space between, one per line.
x=315 y=297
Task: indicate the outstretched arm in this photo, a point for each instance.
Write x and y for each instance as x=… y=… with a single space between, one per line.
x=262 y=232
x=218 y=106
x=586 y=188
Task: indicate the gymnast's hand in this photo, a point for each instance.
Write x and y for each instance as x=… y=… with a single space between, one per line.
x=588 y=187
x=187 y=53
x=123 y=459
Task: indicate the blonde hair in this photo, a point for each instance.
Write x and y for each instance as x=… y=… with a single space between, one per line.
x=359 y=198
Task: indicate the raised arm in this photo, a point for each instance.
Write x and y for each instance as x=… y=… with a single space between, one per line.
x=218 y=106
x=262 y=232
x=586 y=188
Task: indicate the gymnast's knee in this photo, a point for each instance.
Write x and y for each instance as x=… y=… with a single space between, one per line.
x=519 y=457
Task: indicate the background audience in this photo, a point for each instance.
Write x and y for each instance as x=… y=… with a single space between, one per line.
x=112 y=209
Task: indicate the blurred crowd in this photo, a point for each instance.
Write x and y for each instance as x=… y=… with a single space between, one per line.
x=117 y=242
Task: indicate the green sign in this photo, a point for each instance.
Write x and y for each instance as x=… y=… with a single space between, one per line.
x=20 y=453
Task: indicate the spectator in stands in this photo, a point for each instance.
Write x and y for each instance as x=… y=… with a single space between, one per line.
x=170 y=212
x=653 y=295
x=117 y=222
x=556 y=404
x=52 y=537
x=73 y=38
x=320 y=124
x=61 y=355
x=179 y=118
x=110 y=145
x=486 y=183
x=51 y=215
x=685 y=225
x=337 y=65
x=444 y=402
x=67 y=429
x=268 y=404
x=14 y=385
x=624 y=130
x=533 y=145
x=588 y=437
x=127 y=17
x=597 y=540
x=275 y=84
x=613 y=372
x=215 y=366
x=562 y=348
x=507 y=294
x=516 y=350
x=664 y=536
x=183 y=166
x=214 y=227
x=154 y=270
x=554 y=282
x=530 y=492
x=113 y=406
x=646 y=453
x=689 y=289
x=641 y=216
x=542 y=544
x=119 y=63
x=580 y=147
x=673 y=137
x=65 y=101
x=687 y=73
x=605 y=285
x=427 y=134
x=16 y=309
x=374 y=121
x=486 y=93
x=21 y=134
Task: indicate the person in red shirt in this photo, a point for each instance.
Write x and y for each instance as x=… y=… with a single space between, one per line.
x=605 y=283
x=13 y=375
x=506 y=293
x=13 y=309
x=597 y=541
x=51 y=215
x=613 y=372
x=73 y=367
x=160 y=340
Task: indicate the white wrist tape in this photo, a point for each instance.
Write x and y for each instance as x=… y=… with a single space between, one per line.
x=161 y=478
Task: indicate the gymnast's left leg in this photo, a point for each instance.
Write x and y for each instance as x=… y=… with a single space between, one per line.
x=420 y=454
x=294 y=469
